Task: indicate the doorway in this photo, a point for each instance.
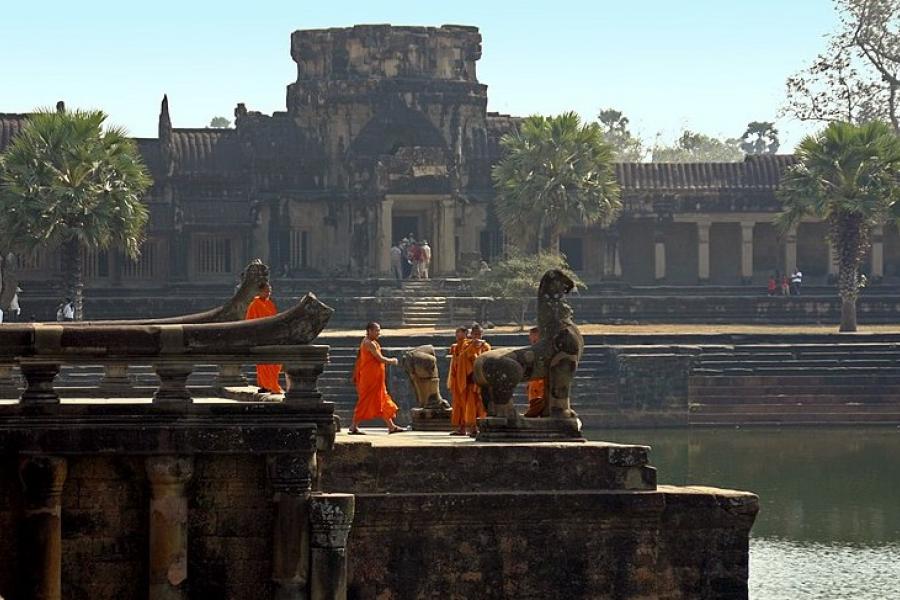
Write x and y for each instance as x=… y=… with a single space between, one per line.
x=403 y=225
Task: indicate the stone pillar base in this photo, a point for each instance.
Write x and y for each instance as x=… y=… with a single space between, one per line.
x=431 y=419
x=544 y=429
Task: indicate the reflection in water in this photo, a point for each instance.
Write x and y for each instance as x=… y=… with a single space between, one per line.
x=829 y=521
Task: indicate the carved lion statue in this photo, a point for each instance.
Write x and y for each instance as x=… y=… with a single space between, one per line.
x=555 y=357
x=420 y=365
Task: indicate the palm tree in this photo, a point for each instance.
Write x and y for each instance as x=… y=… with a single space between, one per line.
x=556 y=173
x=847 y=176
x=67 y=183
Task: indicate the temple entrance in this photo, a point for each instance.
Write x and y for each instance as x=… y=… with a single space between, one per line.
x=403 y=225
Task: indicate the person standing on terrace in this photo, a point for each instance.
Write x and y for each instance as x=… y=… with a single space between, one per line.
x=369 y=377
x=263 y=306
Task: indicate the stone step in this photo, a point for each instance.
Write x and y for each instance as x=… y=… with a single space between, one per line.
x=775 y=408
x=801 y=381
x=795 y=418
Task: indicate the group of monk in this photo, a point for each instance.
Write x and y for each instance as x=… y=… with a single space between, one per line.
x=370 y=375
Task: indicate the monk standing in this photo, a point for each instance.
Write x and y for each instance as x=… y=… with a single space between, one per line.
x=472 y=406
x=457 y=384
x=262 y=306
x=373 y=401
x=535 y=386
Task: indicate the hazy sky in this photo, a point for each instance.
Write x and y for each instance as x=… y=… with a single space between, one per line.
x=710 y=65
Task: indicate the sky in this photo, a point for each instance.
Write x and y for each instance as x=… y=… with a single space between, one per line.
x=710 y=66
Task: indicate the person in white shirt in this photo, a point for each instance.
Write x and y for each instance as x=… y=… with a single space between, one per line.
x=426 y=258
x=796 y=282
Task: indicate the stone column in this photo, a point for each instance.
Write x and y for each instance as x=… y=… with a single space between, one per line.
x=331 y=516
x=39 y=383
x=40 y=569
x=304 y=382
x=446 y=250
x=168 y=525
x=659 y=256
x=832 y=262
x=878 y=253
x=230 y=375
x=790 y=251
x=703 y=251
x=116 y=381
x=612 y=265
x=291 y=477
x=747 y=251
x=383 y=236
x=172 y=384
x=9 y=389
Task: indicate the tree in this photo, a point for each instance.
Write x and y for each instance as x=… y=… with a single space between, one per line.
x=857 y=77
x=626 y=146
x=68 y=183
x=516 y=279
x=697 y=147
x=219 y=123
x=556 y=173
x=846 y=176
x=760 y=137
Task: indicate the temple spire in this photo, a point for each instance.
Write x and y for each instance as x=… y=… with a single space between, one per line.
x=166 y=142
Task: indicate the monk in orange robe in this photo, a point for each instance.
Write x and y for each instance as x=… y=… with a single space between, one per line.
x=262 y=306
x=472 y=406
x=535 y=386
x=373 y=401
x=457 y=385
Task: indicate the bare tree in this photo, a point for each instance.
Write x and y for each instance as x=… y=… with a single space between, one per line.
x=857 y=77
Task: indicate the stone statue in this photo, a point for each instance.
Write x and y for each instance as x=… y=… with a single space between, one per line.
x=420 y=365
x=555 y=358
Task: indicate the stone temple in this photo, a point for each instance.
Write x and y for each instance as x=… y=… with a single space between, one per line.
x=387 y=133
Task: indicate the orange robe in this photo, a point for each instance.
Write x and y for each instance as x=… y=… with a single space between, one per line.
x=374 y=401
x=468 y=395
x=535 y=398
x=266 y=375
x=456 y=386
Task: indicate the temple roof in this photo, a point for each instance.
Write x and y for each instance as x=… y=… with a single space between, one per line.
x=207 y=151
x=754 y=172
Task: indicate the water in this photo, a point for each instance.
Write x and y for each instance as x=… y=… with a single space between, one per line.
x=829 y=520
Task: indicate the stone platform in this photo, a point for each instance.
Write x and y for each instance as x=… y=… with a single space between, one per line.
x=447 y=516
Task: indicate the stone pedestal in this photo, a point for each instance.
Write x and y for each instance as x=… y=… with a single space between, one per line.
x=9 y=388
x=230 y=375
x=168 y=526
x=42 y=480
x=331 y=516
x=544 y=429
x=172 y=384
x=39 y=383
x=431 y=419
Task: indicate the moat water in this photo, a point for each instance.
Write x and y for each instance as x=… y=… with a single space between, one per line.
x=829 y=520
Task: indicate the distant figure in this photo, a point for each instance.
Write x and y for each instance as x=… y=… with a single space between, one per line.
x=796 y=282
x=397 y=263
x=484 y=267
x=369 y=376
x=262 y=306
x=426 y=258
x=536 y=401
x=65 y=311
x=404 y=257
x=416 y=258
x=14 y=309
x=785 y=286
x=456 y=383
x=771 y=285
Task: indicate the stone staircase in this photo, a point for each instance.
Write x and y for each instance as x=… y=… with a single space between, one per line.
x=426 y=304
x=797 y=385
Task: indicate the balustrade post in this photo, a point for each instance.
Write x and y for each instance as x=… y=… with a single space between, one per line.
x=304 y=382
x=9 y=388
x=230 y=375
x=116 y=382
x=39 y=378
x=331 y=516
x=42 y=479
x=168 y=562
x=172 y=383
x=291 y=477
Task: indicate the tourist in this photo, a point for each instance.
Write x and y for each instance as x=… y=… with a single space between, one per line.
x=771 y=285
x=14 y=308
x=535 y=386
x=369 y=376
x=796 y=282
x=65 y=311
x=484 y=267
x=415 y=258
x=426 y=258
x=472 y=406
x=397 y=263
x=263 y=306
x=456 y=383
x=785 y=286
